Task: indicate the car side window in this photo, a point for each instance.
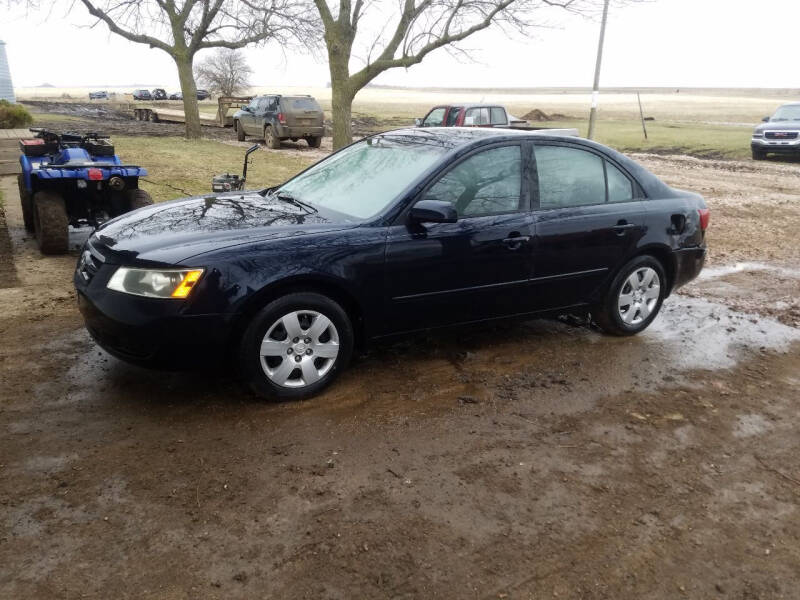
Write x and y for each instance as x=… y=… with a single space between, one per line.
x=452 y=116
x=569 y=177
x=620 y=188
x=476 y=116
x=486 y=183
x=435 y=118
x=498 y=116
x=272 y=103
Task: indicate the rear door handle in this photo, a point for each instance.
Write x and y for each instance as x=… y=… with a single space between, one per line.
x=516 y=242
x=622 y=225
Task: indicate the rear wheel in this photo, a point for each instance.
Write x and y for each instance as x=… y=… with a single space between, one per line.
x=759 y=155
x=314 y=141
x=296 y=346
x=634 y=297
x=239 y=131
x=271 y=139
x=50 y=222
x=27 y=204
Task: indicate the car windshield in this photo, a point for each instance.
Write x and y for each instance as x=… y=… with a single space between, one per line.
x=790 y=112
x=364 y=178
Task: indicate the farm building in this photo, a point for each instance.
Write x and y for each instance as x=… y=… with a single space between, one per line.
x=6 y=88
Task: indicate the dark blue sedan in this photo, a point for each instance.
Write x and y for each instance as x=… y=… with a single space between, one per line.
x=405 y=230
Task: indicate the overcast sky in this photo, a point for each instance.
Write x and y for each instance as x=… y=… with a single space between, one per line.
x=681 y=43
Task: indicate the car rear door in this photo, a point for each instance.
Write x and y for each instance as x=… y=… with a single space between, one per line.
x=476 y=268
x=588 y=217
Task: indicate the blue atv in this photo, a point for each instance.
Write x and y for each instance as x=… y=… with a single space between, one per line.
x=73 y=179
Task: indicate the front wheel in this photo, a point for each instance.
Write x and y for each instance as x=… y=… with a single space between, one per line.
x=759 y=155
x=50 y=221
x=634 y=297
x=296 y=346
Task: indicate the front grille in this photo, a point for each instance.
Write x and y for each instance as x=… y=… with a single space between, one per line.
x=90 y=262
x=781 y=135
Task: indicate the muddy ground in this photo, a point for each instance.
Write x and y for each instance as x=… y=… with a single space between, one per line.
x=526 y=460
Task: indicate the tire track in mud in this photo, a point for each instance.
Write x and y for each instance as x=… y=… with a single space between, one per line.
x=8 y=271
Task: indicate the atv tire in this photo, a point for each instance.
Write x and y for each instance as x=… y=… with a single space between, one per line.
x=270 y=139
x=51 y=224
x=27 y=204
x=138 y=199
x=239 y=131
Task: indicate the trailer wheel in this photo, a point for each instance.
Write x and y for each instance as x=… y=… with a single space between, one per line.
x=237 y=126
x=50 y=222
x=27 y=204
x=138 y=199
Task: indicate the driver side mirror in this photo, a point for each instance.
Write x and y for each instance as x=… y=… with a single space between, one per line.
x=433 y=211
x=247 y=109
x=418 y=122
x=765 y=119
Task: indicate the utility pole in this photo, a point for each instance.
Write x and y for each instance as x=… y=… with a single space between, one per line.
x=596 y=87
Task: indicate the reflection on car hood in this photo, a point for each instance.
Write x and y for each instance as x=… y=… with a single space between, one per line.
x=170 y=232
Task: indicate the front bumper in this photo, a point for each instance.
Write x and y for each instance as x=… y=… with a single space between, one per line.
x=150 y=331
x=781 y=146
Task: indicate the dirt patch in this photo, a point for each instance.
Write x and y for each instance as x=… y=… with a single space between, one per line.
x=524 y=460
x=8 y=273
x=540 y=116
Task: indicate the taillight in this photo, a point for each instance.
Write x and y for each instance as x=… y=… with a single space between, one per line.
x=282 y=117
x=705 y=215
x=95 y=174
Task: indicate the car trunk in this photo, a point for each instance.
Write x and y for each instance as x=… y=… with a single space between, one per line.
x=301 y=111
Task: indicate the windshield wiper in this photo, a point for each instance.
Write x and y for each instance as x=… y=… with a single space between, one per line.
x=287 y=197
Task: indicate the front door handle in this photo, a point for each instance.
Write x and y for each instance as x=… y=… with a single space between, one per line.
x=515 y=242
x=622 y=226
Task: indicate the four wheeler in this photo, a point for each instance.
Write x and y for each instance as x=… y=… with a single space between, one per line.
x=73 y=179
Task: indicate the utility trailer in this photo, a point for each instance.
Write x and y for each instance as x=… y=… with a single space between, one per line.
x=226 y=107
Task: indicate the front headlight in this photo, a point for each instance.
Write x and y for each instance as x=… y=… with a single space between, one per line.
x=758 y=134
x=155 y=283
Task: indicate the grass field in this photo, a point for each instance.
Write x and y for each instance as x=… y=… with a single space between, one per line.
x=180 y=167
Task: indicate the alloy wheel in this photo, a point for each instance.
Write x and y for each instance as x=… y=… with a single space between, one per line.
x=299 y=349
x=639 y=295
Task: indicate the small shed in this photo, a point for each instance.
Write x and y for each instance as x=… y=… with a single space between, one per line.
x=6 y=87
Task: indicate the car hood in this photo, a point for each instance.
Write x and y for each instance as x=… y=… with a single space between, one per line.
x=778 y=126
x=171 y=232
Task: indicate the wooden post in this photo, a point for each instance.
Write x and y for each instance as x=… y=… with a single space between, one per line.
x=641 y=114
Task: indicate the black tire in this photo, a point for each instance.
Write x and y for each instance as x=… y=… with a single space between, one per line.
x=27 y=204
x=270 y=139
x=239 y=131
x=138 y=199
x=250 y=360
x=609 y=314
x=759 y=155
x=50 y=222
x=314 y=141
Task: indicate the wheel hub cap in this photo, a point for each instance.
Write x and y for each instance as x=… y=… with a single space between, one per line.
x=639 y=295
x=299 y=348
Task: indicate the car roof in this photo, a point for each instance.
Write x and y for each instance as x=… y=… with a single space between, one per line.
x=458 y=140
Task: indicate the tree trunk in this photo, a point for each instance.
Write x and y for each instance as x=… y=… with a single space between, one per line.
x=189 y=91
x=342 y=111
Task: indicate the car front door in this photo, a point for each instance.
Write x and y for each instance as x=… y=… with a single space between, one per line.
x=588 y=217
x=435 y=118
x=475 y=268
x=247 y=118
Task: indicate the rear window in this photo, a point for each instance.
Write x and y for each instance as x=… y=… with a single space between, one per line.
x=301 y=103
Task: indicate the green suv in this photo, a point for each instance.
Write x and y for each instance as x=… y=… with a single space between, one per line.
x=275 y=118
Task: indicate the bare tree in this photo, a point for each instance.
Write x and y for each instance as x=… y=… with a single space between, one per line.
x=225 y=72
x=183 y=28
x=408 y=34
